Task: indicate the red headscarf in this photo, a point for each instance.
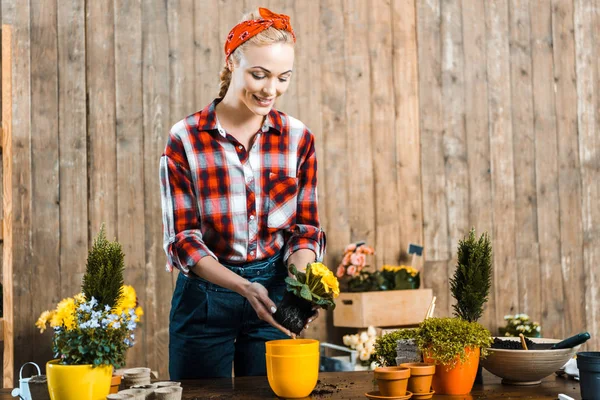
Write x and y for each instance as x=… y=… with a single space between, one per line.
x=247 y=29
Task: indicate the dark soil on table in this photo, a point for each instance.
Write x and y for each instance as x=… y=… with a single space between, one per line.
x=516 y=345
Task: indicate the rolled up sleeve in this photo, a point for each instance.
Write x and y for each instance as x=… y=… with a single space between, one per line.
x=306 y=233
x=182 y=237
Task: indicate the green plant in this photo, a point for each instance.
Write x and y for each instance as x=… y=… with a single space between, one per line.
x=472 y=278
x=385 y=345
x=92 y=331
x=446 y=340
x=103 y=279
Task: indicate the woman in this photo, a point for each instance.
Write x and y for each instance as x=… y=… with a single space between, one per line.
x=239 y=200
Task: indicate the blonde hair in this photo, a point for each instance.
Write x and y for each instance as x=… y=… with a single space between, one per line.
x=268 y=36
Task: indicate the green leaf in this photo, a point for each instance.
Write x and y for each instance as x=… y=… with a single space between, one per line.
x=305 y=293
x=293 y=270
x=292 y=282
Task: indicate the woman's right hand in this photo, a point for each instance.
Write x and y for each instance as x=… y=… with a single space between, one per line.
x=258 y=297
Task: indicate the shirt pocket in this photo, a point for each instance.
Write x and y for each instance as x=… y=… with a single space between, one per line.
x=282 y=201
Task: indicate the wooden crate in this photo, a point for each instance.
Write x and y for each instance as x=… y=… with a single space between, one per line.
x=385 y=308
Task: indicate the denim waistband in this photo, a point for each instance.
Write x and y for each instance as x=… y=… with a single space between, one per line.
x=257 y=268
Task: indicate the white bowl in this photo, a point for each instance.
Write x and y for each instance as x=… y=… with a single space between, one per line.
x=526 y=367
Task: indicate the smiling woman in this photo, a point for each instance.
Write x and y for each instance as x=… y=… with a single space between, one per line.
x=238 y=185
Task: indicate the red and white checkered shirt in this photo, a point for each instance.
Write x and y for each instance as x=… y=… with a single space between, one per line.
x=234 y=204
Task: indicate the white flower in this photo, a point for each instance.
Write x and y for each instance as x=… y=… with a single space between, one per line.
x=346 y=340
x=521 y=328
x=364 y=337
x=372 y=332
x=364 y=355
x=353 y=341
x=516 y=322
x=539 y=328
x=507 y=317
x=370 y=344
x=373 y=365
x=360 y=347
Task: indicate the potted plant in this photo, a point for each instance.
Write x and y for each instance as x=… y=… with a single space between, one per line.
x=92 y=330
x=353 y=271
x=472 y=279
x=454 y=345
x=317 y=287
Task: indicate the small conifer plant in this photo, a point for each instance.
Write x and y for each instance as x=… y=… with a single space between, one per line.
x=472 y=278
x=103 y=278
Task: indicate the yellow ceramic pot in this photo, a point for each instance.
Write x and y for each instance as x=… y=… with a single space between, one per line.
x=78 y=382
x=293 y=376
x=288 y=347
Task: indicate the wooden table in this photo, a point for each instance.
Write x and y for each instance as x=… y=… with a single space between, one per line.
x=353 y=385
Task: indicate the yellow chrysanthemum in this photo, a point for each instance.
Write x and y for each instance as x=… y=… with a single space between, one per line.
x=43 y=320
x=128 y=299
x=65 y=314
x=330 y=283
x=319 y=269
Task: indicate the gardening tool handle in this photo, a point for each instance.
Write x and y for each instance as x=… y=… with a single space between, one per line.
x=572 y=341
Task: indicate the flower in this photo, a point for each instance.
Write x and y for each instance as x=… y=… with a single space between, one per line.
x=363 y=342
x=319 y=269
x=331 y=283
x=352 y=270
x=520 y=323
x=86 y=332
x=341 y=271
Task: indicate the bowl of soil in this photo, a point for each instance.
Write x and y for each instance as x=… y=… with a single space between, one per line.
x=516 y=366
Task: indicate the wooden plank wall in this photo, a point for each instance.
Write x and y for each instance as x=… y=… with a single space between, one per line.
x=431 y=117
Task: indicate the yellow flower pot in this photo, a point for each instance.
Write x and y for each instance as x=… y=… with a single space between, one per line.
x=78 y=382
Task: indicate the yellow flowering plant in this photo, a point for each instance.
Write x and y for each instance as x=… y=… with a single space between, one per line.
x=96 y=326
x=398 y=278
x=306 y=291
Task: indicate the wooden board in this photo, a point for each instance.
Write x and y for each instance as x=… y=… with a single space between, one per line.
x=73 y=145
x=386 y=194
x=526 y=243
x=587 y=46
x=102 y=161
x=476 y=129
x=406 y=124
x=7 y=207
x=433 y=176
x=130 y=161
x=545 y=279
x=386 y=308
x=359 y=89
x=501 y=150
x=570 y=295
x=454 y=137
x=45 y=172
x=208 y=53
x=16 y=101
x=157 y=121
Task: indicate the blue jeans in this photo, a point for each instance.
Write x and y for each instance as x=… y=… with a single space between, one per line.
x=212 y=327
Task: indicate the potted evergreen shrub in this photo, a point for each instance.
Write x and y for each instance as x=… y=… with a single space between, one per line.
x=472 y=280
x=92 y=330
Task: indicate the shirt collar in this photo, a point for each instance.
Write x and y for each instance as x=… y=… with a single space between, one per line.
x=207 y=120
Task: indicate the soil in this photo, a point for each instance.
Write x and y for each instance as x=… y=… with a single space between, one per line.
x=516 y=345
x=293 y=312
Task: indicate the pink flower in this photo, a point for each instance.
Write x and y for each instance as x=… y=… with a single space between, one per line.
x=346 y=260
x=350 y=247
x=364 y=249
x=340 y=271
x=358 y=259
x=351 y=270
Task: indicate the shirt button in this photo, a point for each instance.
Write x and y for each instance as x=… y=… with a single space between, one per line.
x=252 y=253
x=249 y=179
x=240 y=147
x=251 y=217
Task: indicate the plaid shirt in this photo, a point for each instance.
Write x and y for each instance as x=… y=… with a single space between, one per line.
x=234 y=204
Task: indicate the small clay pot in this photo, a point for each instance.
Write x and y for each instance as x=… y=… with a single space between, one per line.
x=392 y=381
x=168 y=393
x=138 y=394
x=167 y=384
x=115 y=382
x=119 y=396
x=421 y=375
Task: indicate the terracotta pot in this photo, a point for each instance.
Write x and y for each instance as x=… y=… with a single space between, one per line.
x=392 y=381
x=457 y=380
x=114 y=384
x=421 y=375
